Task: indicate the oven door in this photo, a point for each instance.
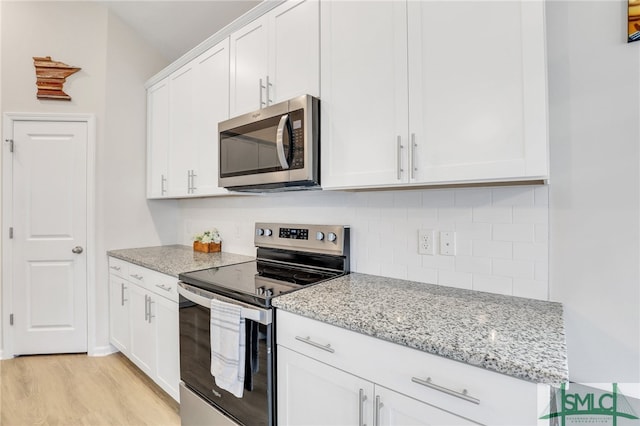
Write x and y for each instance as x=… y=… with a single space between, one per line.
x=256 y=407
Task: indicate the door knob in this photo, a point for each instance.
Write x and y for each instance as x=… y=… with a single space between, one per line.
x=77 y=249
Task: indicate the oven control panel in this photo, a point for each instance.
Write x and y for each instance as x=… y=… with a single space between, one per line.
x=331 y=239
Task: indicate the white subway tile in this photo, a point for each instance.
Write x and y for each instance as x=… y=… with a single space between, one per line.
x=541 y=271
x=455 y=279
x=380 y=199
x=368 y=267
x=407 y=257
x=513 y=232
x=492 y=284
x=464 y=247
x=541 y=233
x=472 y=197
x=530 y=215
x=475 y=265
x=438 y=198
x=541 y=195
x=531 y=251
x=531 y=289
x=394 y=271
x=424 y=275
x=407 y=199
x=429 y=261
x=513 y=196
x=446 y=263
x=496 y=249
x=493 y=215
x=448 y=216
x=513 y=268
x=473 y=231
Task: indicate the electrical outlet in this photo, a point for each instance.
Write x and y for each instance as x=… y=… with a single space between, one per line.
x=448 y=243
x=425 y=241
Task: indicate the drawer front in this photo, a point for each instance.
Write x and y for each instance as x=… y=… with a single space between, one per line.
x=472 y=392
x=138 y=275
x=118 y=267
x=162 y=285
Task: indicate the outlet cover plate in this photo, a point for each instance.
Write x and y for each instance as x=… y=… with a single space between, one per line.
x=425 y=241
x=448 y=243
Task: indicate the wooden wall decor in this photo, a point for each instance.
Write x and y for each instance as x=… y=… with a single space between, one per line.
x=51 y=76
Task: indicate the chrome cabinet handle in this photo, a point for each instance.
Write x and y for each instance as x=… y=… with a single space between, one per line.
x=150 y=301
x=117 y=268
x=260 y=88
x=162 y=286
x=193 y=181
x=77 y=250
x=414 y=145
x=379 y=406
x=122 y=289
x=188 y=181
x=363 y=398
x=280 y=143
x=136 y=276
x=308 y=341
x=146 y=307
x=163 y=184
x=267 y=87
x=399 y=152
x=462 y=395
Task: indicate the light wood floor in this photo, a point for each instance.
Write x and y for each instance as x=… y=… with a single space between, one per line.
x=80 y=390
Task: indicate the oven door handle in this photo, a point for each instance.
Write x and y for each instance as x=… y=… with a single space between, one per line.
x=203 y=298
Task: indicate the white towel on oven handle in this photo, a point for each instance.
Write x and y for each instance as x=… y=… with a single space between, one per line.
x=228 y=346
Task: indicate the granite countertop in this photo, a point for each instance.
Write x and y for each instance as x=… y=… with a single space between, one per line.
x=176 y=259
x=520 y=337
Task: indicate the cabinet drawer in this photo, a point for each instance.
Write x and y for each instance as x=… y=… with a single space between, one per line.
x=162 y=285
x=472 y=392
x=118 y=267
x=137 y=274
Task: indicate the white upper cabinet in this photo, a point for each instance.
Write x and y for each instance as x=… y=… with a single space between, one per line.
x=275 y=57
x=184 y=111
x=364 y=102
x=157 y=139
x=477 y=91
x=432 y=92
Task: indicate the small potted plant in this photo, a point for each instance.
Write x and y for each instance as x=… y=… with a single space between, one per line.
x=208 y=241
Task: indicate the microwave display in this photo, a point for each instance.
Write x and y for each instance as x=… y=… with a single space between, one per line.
x=253 y=148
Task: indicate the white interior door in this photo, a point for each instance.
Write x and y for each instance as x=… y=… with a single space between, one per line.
x=49 y=236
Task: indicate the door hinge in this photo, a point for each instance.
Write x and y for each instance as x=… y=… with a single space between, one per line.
x=10 y=319
x=11 y=233
x=10 y=142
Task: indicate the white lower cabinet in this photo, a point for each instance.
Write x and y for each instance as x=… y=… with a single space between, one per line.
x=143 y=310
x=331 y=376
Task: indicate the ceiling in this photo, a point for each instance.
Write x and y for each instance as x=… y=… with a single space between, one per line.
x=174 y=27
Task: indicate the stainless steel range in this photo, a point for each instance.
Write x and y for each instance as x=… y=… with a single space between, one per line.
x=289 y=257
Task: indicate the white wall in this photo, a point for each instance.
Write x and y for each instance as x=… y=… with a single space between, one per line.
x=594 y=94
x=115 y=64
x=501 y=232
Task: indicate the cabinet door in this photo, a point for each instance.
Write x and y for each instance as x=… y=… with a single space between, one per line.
x=393 y=409
x=212 y=100
x=142 y=332
x=294 y=50
x=313 y=393
x=164 y=317
x=477 y=90
x=364 y=106
x=248 y=67
x=157 y=139
x=182 y=146
x=119 y=313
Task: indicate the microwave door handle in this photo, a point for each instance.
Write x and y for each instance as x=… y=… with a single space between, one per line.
x=280 y=143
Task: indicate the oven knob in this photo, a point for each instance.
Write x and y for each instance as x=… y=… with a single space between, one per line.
x=260 y=291
x=267 y=232
x=268 y=292
x=319 y=236
x=259 y=232
x=331 y=237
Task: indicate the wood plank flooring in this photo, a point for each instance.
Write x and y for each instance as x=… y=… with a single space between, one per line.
x=81 y=390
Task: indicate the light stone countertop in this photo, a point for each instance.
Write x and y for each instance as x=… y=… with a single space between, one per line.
x=176 y=259
x=520 y=337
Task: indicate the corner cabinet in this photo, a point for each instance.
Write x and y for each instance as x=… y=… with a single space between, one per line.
x=183 y=114
x=432 y=92
x=338 y=377
x=143 y=320
x=276 y=57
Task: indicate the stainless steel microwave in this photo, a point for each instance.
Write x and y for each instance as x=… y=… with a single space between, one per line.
x=274 y=148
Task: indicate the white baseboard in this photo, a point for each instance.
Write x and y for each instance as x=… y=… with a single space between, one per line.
x=102 y=350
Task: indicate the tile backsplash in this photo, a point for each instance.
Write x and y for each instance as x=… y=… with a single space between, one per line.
x=501 y=233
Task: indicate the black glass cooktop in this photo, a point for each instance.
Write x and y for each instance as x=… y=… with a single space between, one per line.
x=256 y=282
